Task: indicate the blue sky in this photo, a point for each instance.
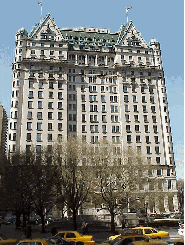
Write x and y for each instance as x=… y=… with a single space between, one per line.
x=163 y=20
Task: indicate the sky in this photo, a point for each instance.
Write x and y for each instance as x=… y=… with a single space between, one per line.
x=163 y=20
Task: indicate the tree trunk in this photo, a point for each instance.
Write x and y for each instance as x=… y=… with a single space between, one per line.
x=74 y=220
x=112 y=221
x=43 y=223
x=18 y=222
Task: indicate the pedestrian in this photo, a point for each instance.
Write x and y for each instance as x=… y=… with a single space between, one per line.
x=123 y=224
x=53 y=231
x=86 y=228
x=29 y=231
x=83 y=227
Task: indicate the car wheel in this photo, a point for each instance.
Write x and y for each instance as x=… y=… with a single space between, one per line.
x=79 y=243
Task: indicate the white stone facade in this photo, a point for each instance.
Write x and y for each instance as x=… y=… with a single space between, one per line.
x=95 y=84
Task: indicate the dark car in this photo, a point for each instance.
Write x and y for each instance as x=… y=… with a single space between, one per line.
x=59 y=240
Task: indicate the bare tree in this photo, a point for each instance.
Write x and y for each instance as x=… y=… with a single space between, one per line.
x=72 y=158
x=119 y=172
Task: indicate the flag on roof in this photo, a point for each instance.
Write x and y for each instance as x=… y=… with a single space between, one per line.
x=40 y=3
x=127 y=9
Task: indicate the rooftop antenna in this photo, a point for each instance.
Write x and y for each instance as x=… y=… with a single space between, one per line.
x=127 y=9
x=40 y=3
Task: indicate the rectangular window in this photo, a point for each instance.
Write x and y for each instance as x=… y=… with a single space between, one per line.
x=39 y=137
x=49 y=126
x=147 y=139
x=30 y=104
x=50 y=105
x=138 y=139
x=103 y=108
x=59 y=126
x=128 y=138
x=49 y=137
x=59 y=105
x=59 y=115
x=29 y=115
x=29 y=125
x=30 y=84
x=39 y=126
x=146 y=128
x=50 y=115
x=51 y=85
x=50 y=95
x=39 y=104
x=59 y=95
x=28 y=137
x=30 y=95
x=134 y=98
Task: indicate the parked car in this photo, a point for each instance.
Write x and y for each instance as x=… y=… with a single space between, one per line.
x=5 y=240
x=35 y=241
x=57 y=240
x=77 y=237
x=151 y=232
x=126 y=240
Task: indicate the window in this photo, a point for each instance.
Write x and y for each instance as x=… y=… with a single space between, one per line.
x=29 y=125
x=126 y=98
x=137 y=128
x=102 y=98
x=29 y=115
x=30 y=104
x=40 y=84
x=39 y=115
x=93 y=108
x=153 y=109
x=32 y=51
x=94 y=139
x=59 y=105
x=154 y=119
x=115 y=129
x=128 y=138
x=104 y=129
x=59 y=115
x=127 y=117
x=146 y=128
x=136 y=118
x=126 y=108
x=30 y=95
x=103 y=108
x=59 y=126
x=145 y=118
x=151 y=90
x=142 y=89
x=59 y=95
x=50 y=95
x=28 y=137
x=135 y=108
x=39 y=126
x=157 y=149
x=30 y=84
x=155 y=129
x=156 y=139
x=144 y=108
x=39 y=137
x=83 y=128
x=50 y=105
x=143 y=99
x=59 y=85
x=138 y=139
x=147 y=139
x=148 y=149
x=39 y=104
x=51 y=85
x=49 y=137
x=128 y=128
x=104 y=118
x=102 y=89
x=134 y=98
x=152 y=99
x=157 y=159
x=49 y=126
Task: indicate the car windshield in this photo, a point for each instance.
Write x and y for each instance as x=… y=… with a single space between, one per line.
x=2 y=237
x=154 y=231
x=116 y=241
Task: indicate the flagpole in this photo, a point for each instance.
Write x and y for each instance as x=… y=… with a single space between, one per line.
x=41 y=14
